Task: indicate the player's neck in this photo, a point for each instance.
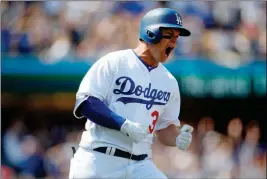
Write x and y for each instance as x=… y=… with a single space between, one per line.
x=143 y=52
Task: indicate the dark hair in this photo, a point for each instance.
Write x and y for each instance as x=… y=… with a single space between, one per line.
x=252 y=124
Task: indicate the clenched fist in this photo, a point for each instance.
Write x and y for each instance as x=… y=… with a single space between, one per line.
x=184 y=139
x=136 y=131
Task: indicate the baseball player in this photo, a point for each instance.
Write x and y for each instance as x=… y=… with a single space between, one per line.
x=128 y=97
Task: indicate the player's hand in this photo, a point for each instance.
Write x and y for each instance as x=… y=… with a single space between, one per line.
x=184 y=139
x=136 y=131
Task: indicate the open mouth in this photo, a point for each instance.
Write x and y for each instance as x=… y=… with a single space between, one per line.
x=168 y=50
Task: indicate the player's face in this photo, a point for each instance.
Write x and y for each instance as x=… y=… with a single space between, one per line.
x=162 y=50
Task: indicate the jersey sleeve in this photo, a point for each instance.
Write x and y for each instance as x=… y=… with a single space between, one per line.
x=96 y=82
x=171 y=113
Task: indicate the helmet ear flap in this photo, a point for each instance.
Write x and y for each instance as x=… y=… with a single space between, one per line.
x=153 y=34
x=150 y=34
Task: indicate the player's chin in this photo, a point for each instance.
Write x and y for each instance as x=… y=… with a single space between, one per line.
x=164 y=58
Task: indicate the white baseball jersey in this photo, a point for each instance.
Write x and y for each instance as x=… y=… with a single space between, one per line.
x=134 y=91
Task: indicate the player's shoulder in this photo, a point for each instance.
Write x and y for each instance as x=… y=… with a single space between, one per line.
x=168 y=76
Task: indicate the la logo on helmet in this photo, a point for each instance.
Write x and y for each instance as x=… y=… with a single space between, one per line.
x=178 y=19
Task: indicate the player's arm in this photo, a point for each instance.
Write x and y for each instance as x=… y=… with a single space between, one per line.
x=95 y=110
x=93 y=90
x=167 y=136
x=167 y=131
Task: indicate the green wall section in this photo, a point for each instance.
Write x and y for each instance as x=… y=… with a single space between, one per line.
x=197 y=78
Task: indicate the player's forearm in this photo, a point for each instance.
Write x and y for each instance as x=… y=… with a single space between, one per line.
x=168 y=135
x=95 y=110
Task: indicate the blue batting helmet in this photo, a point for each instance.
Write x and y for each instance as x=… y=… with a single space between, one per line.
x=159 y=18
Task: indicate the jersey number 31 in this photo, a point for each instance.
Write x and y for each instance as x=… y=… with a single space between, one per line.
x=151 y=127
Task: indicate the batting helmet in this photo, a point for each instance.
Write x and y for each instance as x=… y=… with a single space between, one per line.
x=159 y=18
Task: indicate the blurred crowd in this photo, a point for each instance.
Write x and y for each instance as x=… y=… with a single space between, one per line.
x=230 y=33
x=46 y=153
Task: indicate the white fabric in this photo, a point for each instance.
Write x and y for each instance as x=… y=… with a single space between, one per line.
x=92 y=164
x=117 y=79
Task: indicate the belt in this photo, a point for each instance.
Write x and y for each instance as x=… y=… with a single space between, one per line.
x=119 y=153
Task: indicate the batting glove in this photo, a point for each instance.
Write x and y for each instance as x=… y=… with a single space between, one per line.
x=184 y=139
x=135 y=131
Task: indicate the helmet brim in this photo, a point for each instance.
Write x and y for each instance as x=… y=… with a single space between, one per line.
x=183 y=31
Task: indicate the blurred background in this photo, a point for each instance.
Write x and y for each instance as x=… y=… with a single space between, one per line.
x=47 y=47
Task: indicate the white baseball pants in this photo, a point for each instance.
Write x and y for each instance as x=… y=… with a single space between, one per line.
x=92 y=164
